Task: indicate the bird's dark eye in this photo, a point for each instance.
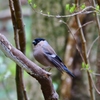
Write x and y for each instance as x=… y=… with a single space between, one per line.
x=34 y=42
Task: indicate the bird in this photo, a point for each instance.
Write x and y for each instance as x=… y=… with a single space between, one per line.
x=46 y=55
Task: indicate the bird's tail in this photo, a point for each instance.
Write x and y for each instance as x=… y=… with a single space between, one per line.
x=67 y=70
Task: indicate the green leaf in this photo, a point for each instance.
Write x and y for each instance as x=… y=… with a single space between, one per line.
x=48 y=13
x=91 y=71
x=72 y=9
x=83 y=64
x=87 y=66
x=34 y=5
x=67 y=7
x=29 y=1
x=83 y=6
x=97 y=7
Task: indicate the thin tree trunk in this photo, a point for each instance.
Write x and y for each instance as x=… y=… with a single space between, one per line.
x=19 y=35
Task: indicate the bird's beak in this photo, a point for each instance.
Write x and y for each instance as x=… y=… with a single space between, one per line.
x=34 y=42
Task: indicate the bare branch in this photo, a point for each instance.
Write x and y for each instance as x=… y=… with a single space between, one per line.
x=34 y=70
x=84 y=53
x=20 y=24
x=91 y=46
x=73 y=34
x=83 y=11
x=95 y=86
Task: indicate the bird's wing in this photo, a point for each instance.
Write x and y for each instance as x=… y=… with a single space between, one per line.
x=53 y=58
x=50 y=54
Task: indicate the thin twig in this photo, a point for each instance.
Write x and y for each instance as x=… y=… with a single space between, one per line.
x=91 y=46
x=98 y=49
x=96 y=74
x=83 y=11
x=85 y=57
x=73 y=34
x=95 y=85
x=96 y=15
x=84 y=53
x=74 y=38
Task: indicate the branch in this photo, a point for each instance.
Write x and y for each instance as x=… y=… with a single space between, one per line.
x=84 y=11
x=20 y=24
x=84 y=52
x=73 y=34
x=19 y=35
x=34 y=70
x=98 y=50
x=91 y=46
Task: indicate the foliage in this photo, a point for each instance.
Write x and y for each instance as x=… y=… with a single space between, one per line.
x=83 y=6
x=69 y=8
x=86 y=67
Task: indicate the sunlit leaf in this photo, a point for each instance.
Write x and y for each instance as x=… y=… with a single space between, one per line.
x=83 y=6
x=67 y=7
x=91 y=71
x=72 y=9
x=29 y=1
x=48 y=13
x=87 y=66
x=34 y=5
x=97 y=7
x=83 y=64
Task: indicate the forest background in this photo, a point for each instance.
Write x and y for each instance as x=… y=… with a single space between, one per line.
x=72 y=28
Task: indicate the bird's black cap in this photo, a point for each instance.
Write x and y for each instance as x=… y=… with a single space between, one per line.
x=37 y=40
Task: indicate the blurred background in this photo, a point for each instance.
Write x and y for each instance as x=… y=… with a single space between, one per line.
x=58 y=35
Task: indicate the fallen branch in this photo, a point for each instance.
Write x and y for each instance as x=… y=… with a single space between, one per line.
x=34 y=70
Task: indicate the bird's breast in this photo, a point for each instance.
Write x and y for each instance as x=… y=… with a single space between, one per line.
x=40 y=57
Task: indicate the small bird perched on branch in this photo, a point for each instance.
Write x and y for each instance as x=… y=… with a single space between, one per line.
x=46 y=55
